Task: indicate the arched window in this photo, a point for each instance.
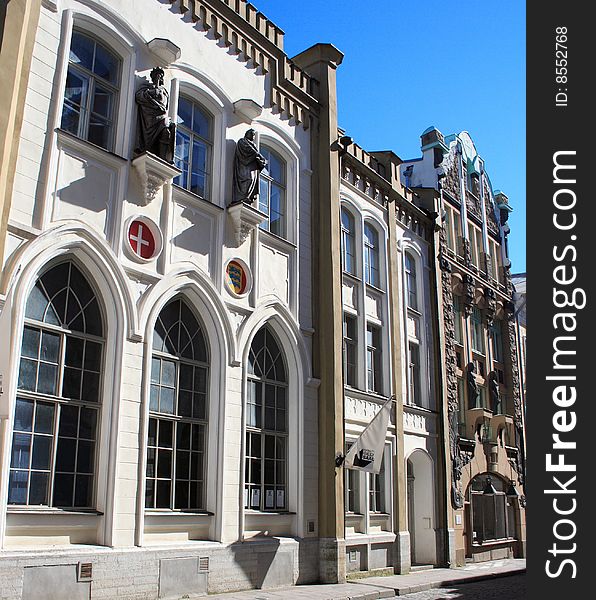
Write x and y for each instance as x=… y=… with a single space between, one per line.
x=91 y=94
x=194 y=148
x=178 y=411
x=411 y=284
x=348 y=242
x=266 y=425
x=493 y=512
x=371 y=256
x=54 y=453
x=272 y=192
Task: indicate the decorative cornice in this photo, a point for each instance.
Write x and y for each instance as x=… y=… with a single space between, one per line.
x=247 y=33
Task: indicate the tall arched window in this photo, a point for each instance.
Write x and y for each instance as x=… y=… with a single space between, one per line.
x=54 y=454
x=411 y=285
x=272 y=192
x=493 y=512
x=178 y=411
x=348 y=243
x=194 y=148
x=266 y=425
x=371 y=256
x=91 y=94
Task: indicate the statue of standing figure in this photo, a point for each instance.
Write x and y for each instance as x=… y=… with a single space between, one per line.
x=495 y=395
x=248 y=164
x=473 y=391
x=156 y=132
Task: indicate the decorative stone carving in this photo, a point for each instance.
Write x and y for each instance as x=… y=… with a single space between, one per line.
x=244 y=219
x=156 y=133
x=473 y=205
x=468 y=296
x=490 y=308
x=154 y=173
x=248 y=164
x=466 y=251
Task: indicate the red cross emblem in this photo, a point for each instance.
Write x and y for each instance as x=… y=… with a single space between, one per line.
x=141 y=239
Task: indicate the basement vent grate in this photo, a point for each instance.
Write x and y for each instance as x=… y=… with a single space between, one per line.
x=204 y=563
x=85 y=571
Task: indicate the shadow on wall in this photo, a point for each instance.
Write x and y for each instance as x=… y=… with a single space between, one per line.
x=263 y=564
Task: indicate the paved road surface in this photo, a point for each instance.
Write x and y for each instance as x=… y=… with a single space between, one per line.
x=503 y=588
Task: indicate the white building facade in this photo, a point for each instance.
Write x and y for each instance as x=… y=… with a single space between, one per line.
x=159 y=410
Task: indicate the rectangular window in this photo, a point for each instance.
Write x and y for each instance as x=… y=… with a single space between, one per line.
x=458 y=318
x=414 y=373
x=477 y=332
x=461 y=406
x=376 y=490
x=373 y=359
x=351 y=482
x=497 y=341
x=350 y=350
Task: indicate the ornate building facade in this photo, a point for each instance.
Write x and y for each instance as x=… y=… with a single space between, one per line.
x=207 y=293
x=481 y=371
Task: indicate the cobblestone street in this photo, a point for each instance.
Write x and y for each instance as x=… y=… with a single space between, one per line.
x=512 y=588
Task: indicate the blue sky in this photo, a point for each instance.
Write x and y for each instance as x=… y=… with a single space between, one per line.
x=455 y=64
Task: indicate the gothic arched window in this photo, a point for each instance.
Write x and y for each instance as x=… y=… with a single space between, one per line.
x=58 y=405
x=266 y=425
x=178 y=411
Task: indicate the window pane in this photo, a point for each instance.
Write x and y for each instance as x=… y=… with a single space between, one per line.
x=69 y=418
x=185 y=112
x=71 y=387
x=106 y=64
x=66 y=453
x=23 y=419
x=85 y=457
x=74 y=351
x=42 y=448
x=63 y=489
x=102 y=102
x=92 y=356
x=44 y=418
x=21 y=451
x=17 y=487
x=90 y=387
x=38 y=488
x=201 y=123
x=81 y=50
x=27 y=375
x=83 y=491
x=46 y=383
x=30 y=347
x=99 y=131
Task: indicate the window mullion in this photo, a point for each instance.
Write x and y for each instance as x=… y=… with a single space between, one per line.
x=57 y=408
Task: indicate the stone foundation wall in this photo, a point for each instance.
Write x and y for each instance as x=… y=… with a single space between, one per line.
x=152 y=573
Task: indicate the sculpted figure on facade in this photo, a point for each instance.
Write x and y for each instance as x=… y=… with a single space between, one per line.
x=473 y=392
x=156 y=133
x=248 y=163
x=495 y=394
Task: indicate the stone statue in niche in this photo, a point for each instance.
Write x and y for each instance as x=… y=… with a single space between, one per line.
x=495 y=395
x=156 y=133
x=473 y=392
x=248 y=164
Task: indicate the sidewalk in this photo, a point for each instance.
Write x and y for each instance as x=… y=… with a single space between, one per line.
x=372 y=588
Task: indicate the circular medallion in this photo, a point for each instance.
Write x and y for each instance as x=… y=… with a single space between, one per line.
x=238 y=278
x=143 y=239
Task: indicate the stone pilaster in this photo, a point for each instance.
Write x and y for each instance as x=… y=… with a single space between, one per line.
x=321 y=61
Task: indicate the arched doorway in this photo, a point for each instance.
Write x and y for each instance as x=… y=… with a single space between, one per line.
x=491 y=513
x=421 y=509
